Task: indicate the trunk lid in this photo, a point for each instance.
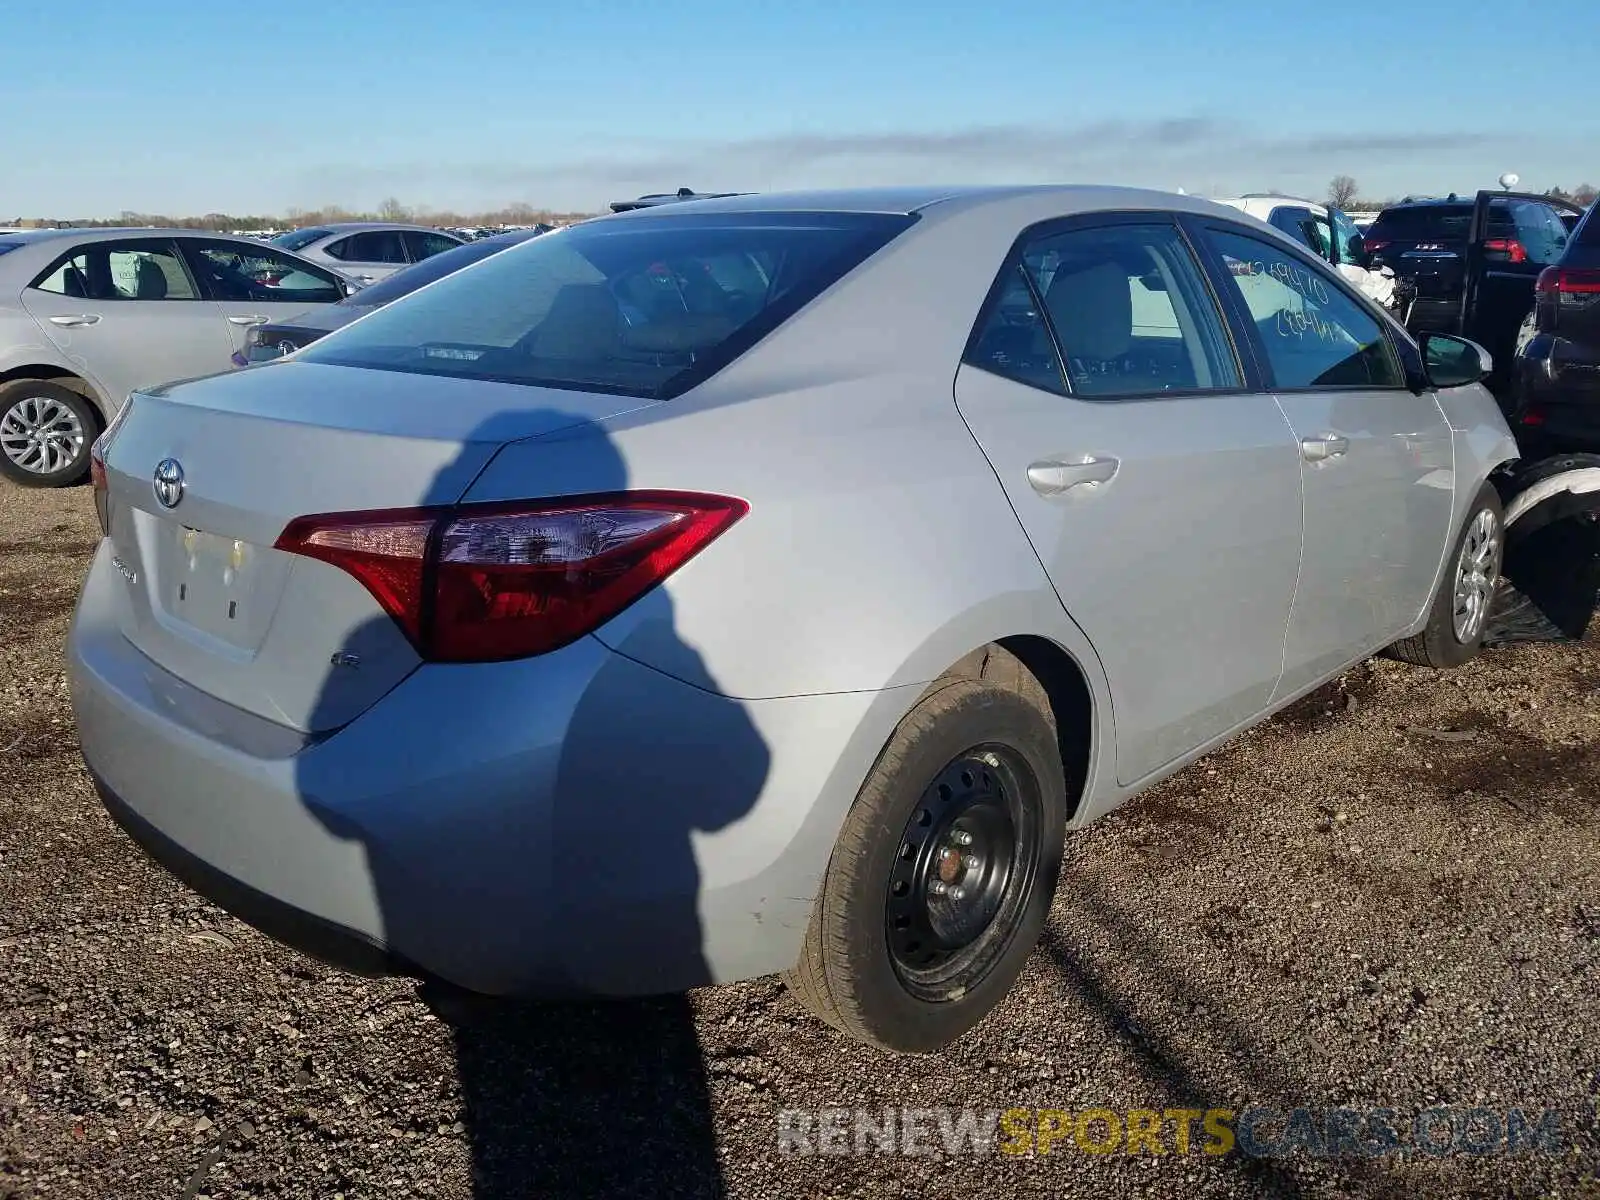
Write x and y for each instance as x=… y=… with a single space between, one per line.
x=209 y=599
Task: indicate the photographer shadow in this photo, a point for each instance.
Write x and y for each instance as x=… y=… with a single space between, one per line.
x=575 y=1097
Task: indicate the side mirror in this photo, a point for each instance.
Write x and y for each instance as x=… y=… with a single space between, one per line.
x=1449 y=361
x=1357 y=249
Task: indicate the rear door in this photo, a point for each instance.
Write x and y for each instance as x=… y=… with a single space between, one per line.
x=370 y=255
x=1376 y=459
x=129 y=314
x=1511 y=239
x=1160 y=489
x=253 y=285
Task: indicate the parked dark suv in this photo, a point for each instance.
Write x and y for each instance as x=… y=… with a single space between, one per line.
x=1556 y=404
x=1473 y=262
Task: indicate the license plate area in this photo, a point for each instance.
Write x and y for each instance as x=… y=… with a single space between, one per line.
x=224 y=587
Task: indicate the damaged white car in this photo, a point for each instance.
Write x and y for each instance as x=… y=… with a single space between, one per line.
x=1326 y=232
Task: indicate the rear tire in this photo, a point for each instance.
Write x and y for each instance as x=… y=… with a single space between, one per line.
x=1459 y=616
x=46 y=431
x=943 y=874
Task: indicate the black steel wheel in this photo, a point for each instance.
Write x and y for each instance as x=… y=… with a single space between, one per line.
x=943 y=874
x=967 y=858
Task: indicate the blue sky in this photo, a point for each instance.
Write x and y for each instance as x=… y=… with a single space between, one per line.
x=184 y=108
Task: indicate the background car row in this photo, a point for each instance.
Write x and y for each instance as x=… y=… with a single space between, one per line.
x=87 y=315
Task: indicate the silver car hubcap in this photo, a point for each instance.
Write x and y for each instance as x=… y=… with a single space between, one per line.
x=1475 y=573
x=41 y=434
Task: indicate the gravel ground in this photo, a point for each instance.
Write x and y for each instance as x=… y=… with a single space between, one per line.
x=1386 y=897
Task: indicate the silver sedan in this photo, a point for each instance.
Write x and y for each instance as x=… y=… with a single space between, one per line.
x=762 y=584
x=87 y=315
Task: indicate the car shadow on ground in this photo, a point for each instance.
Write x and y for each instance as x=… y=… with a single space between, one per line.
x=608 y=1098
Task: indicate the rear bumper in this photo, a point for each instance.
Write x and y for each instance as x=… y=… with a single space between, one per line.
x=1557 y=407
x=573 y=824
x=333 y=944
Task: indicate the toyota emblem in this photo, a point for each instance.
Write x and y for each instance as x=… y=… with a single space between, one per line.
x=169 y=482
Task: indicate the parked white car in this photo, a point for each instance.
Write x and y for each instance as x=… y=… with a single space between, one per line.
x=1326 y=232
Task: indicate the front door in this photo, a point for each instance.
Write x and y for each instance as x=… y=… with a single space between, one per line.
x=128 y=314
x=254 y=284
x=1377 y=458
x=1161 y=492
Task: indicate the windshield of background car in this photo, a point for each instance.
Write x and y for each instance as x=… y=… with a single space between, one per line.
x=403 y=283
x=298 y=239
x=641 y=306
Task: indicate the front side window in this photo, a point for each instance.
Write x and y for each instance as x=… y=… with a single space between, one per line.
x=373 y=246
x=145 y=270
x=1128 y=309
x=646 y=306
x=1314 y=334
x=238 y=271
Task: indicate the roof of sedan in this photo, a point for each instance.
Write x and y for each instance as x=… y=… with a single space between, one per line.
x=41 y=235
x=905 y=200
x=358 y=226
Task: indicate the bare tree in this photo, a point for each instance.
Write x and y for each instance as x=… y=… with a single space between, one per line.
x=1585 y=194
x=1342 y=191
x=392 y=210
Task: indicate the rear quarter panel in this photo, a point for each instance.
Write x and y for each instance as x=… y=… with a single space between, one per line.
x=879 y=549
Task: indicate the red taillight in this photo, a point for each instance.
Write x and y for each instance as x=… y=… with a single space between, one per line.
x=102 y=491
x=1513 y=250
x=1569 y=285
x=486 y=582
x=1534 y=416
x=1372 y=247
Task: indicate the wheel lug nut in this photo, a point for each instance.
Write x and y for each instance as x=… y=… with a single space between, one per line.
x=969 y=861
x=962 y=838
x=938 y=887
x=957 y=893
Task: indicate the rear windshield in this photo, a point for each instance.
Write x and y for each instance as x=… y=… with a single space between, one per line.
x=299 y=239
x=1437 y=223
x=404 y=282
x=641 y=306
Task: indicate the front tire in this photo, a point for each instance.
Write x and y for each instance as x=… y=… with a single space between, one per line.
x=943 y=874
x=1459 y=616
x=46 y=431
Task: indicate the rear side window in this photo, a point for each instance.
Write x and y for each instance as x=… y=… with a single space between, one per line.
x=1126 y=306
x=374 y=246
x=145 y=270
x=1541 y=232
x=647 y=306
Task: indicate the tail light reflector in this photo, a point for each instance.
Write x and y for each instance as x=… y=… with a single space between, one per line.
x=483 y=583
x=97 y=478
x=1513 y=250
